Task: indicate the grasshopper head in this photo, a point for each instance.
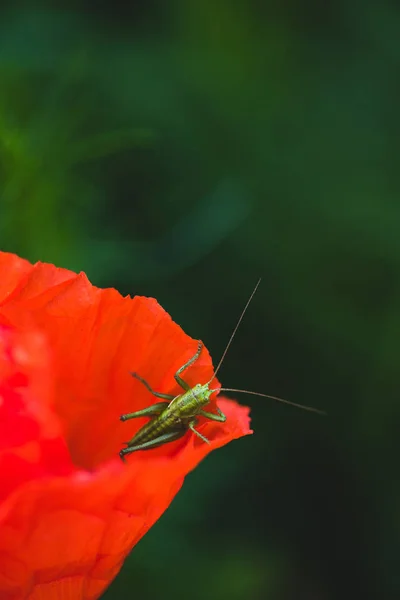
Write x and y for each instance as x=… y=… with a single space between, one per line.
x=202 y=393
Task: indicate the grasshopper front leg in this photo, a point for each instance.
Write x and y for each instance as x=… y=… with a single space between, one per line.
x=192 y=428
x=220 y=417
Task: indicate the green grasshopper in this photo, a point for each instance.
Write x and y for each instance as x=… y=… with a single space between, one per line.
x=176 y=415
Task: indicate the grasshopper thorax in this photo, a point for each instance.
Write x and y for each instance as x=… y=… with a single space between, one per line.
x=192 y=401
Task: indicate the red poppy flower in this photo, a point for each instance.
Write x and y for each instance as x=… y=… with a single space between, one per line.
x=70 y=510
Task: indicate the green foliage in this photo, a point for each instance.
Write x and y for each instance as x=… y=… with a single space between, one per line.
x=168 y=148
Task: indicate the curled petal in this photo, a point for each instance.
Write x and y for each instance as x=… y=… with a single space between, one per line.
x=70 y=510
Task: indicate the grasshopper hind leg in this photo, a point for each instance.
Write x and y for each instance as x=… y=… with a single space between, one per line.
x=187 y=364
x=148 y=387
x=158 y=441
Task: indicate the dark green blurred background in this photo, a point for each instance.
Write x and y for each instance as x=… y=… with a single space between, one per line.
x=181 y=150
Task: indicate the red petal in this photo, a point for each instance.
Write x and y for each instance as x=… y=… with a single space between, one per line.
x=66 y=526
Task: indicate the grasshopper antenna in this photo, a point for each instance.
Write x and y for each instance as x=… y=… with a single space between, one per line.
x=302 y=406
x=234 y=332
x=309 y=408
